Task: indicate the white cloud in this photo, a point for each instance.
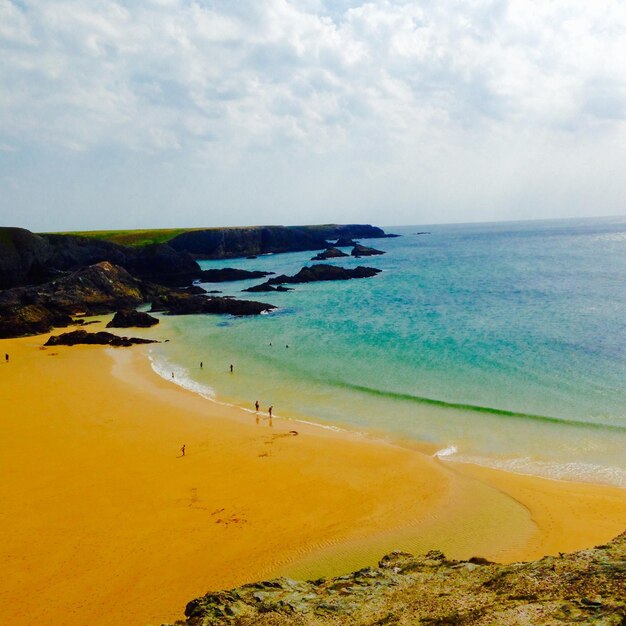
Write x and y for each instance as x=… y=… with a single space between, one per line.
x=405 y=94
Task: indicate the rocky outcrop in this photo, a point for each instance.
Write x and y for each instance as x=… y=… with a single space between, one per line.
x=345 y=242
x=586 y=587
x=93 y=290
x=130 y=318
x=23 y=257
x=188 y=304
x=322 y=271
x=27 y=259
x=223 y=243
x=76 y=337
x=227 y=274
x=360 y=250
x=329 y=253
x=265 y=287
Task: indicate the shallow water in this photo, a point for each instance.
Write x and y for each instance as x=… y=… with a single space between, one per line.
x=503 y=344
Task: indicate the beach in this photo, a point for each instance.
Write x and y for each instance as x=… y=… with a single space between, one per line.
x=104 y=522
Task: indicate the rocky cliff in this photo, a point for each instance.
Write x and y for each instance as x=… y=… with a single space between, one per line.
x=587 y=587
x=222 y=243
x=27 y=258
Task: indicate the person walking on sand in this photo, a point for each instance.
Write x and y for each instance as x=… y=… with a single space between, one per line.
x=256 y=406
x=182 y=450
x=6 y=357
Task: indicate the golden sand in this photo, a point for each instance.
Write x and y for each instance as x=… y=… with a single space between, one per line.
x=102 y=522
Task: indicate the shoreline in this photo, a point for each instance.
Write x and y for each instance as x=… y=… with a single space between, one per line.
x=144 y=536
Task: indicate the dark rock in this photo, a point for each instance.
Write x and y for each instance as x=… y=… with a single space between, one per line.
x=264 y=287
x=129 y=318
x=101 y=338
x=23 y=257
x=322 y=272
x=197 y=290
x=329 y=253
x=160 y=263
x=345 y=242
x=222 y=243
x=185 y=304
x=214 y=291
x=100 y=288
x=227 y=274
x=360 y=250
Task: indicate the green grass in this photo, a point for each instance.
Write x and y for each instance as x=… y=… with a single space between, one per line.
x=132 y=237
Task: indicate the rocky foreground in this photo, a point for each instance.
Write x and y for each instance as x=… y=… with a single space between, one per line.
x=587 y=587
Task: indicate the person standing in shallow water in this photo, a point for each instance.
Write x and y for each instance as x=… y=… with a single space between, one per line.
x=256 y=405
x=231 y=368
x=270 y=411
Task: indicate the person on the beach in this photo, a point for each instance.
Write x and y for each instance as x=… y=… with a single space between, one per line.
x=256 y=405
x=172 y=374
x=270 y=411
x=182 y=450
x=6 y=357
x=200 y=364
x=231 y=368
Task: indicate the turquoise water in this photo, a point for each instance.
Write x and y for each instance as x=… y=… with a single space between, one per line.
x=503 y=344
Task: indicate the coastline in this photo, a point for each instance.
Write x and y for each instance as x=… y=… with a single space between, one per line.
x=103 y=520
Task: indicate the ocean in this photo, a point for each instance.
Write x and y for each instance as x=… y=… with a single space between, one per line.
x=502 y=344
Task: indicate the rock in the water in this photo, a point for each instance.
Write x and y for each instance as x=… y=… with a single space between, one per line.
x=129 y=318
x=329 y=253
x=227 y=274
x=185 y=304
x=322 y=272
x=196 y=290
x=265 y=287
x=76 y=337
x=345 y=242
x=360 y=250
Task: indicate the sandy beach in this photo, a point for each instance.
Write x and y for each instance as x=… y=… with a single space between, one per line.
x=104 y=522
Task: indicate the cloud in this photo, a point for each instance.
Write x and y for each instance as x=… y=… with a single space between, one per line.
x=388 y=90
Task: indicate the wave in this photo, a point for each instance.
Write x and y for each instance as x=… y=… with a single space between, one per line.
x=569 y=471
x=182 y=378
x=393 y=395
x=165 y=369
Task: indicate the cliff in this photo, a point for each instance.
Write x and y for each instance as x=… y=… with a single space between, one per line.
x=27 y=258
x=223 y=243
x=587 y=587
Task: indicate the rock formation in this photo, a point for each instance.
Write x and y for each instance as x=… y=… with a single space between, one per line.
x=323 y=271
x=223 y=243
x=129 y=318
x=187 y=304
x=227 y=274
x=360 y=250
x=329 y=253
x=76 y=337
x=587 y=587
x=93 y=290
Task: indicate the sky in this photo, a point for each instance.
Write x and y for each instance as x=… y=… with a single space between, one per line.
x=159 y=113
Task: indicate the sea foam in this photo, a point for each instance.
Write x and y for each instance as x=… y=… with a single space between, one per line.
x=569 y=471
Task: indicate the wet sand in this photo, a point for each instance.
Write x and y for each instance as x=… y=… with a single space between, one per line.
x=103 y=522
